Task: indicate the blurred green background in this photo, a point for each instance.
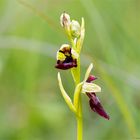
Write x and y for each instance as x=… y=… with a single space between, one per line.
x=31 y=105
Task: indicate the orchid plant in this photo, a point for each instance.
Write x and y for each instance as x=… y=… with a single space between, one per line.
x=68 y=57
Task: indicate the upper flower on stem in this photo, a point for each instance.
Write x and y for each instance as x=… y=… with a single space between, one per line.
x=66 y=57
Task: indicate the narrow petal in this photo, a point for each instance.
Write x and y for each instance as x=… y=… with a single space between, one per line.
x=96 y=106
x=91 y=78
x=88 y=71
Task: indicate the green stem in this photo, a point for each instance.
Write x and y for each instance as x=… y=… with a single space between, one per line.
x=76 y=76
x=79 y=122
x=79 y=110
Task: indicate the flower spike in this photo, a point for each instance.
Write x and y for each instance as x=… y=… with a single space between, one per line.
x=68 y=57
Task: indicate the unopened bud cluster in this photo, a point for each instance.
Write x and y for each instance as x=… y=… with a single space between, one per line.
x=72 y=27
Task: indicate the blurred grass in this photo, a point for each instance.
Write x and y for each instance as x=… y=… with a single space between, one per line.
x=31 y=106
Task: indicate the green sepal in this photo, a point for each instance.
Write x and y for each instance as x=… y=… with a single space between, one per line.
x=65 y=95
x=90 y=87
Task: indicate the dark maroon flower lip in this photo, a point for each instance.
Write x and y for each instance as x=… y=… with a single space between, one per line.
x=96 y=106
x=65 y=66
x=94 y=101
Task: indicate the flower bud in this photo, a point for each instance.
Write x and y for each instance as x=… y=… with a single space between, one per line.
x=65 y=20
x=75 y=29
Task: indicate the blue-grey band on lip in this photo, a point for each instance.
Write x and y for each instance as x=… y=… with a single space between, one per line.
x=64 y=66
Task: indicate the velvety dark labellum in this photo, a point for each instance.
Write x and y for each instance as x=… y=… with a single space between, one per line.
x=65 y=66
x=68 y=62
x=96 y=106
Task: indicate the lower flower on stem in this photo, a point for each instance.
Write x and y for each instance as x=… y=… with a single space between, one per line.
x=94 y=101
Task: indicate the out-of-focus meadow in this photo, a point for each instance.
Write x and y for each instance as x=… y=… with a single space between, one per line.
x=31 y=105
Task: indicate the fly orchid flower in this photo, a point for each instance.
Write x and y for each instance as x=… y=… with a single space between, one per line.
x=94 y=101
x=90 y=90
x=66 y=57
